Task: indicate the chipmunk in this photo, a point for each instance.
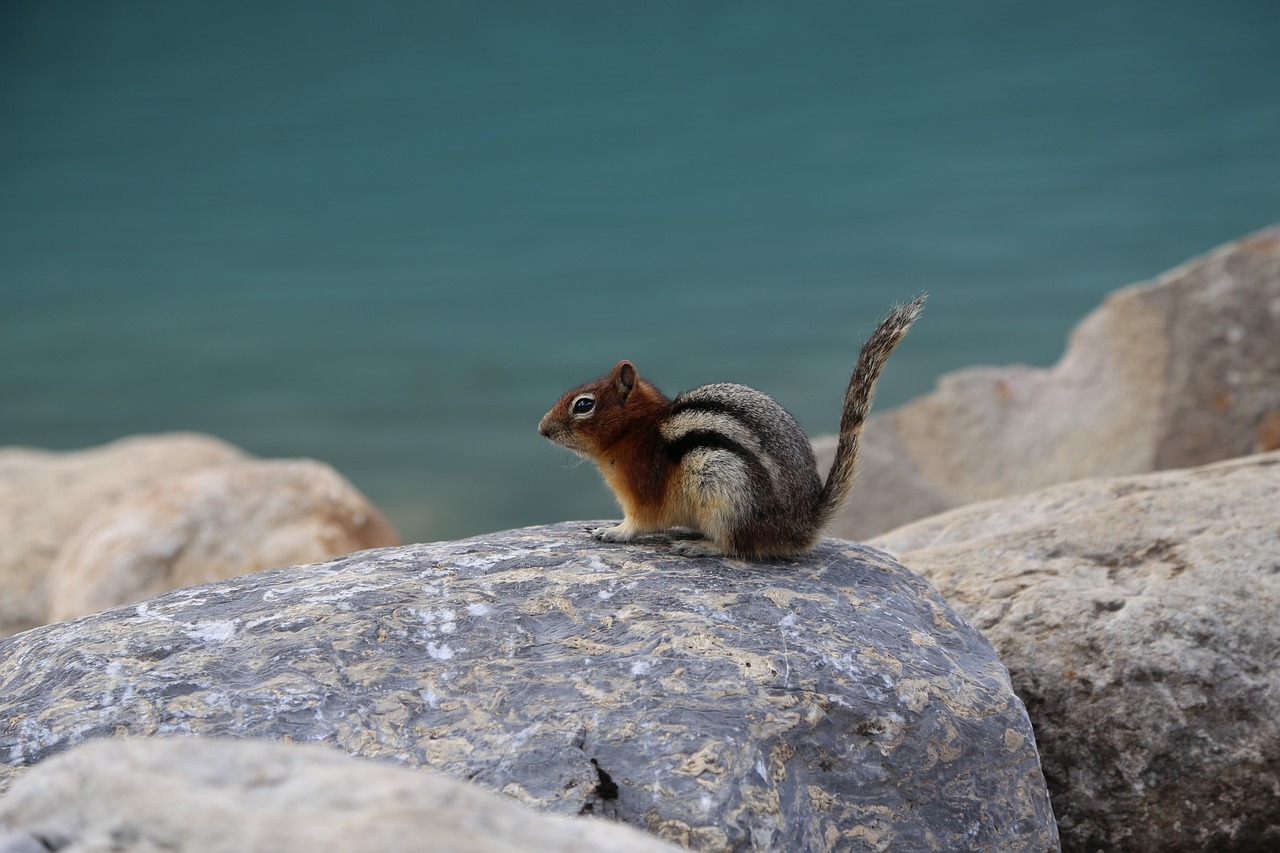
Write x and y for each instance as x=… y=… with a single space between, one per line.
x=724 y=460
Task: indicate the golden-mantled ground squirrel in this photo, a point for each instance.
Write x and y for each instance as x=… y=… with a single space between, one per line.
x=722 y=460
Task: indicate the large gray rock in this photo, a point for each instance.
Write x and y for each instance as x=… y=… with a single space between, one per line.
x=45 y=496
x=221 y=795
x=837 y=703
x=1181 y=371
x=1138 y=618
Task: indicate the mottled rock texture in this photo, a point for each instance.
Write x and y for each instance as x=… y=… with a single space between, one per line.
x=45 y=496
x=89 y=529
x=208 y=525
x=231 y=796
x=1181 y=371
x=1138 y=619
x=834 y=704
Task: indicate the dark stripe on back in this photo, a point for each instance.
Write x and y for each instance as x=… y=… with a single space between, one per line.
x=722 y=407
x=703 y=438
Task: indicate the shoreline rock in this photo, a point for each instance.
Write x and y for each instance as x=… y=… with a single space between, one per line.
x=211 y=524
x=1180 y=371
x=1137 y=616
x=45 y=496
x=86 y=529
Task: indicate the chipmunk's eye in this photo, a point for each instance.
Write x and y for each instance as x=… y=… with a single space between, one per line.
x=584 y=404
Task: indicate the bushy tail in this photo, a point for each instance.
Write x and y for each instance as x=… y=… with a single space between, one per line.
x=857 y=403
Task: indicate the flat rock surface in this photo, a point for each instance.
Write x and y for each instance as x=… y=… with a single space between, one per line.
x=834 y=704
x=1138 y=618
x=230 y=796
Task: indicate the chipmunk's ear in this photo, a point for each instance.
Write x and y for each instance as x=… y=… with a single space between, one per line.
x=624 y=378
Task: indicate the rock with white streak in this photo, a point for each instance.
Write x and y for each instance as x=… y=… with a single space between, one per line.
x=1137 y=616
x=834 y=703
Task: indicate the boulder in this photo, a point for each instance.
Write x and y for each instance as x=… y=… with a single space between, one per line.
x=45 y=496
x=1137 y=616
x=1177 y=372
x=835 y=703
x=222 y=795
x=211 y=524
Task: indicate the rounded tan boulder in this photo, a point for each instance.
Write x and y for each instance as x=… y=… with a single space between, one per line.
x=46 y=495
x=209 y=525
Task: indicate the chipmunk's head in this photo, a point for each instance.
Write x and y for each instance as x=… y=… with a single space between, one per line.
x=596 y=415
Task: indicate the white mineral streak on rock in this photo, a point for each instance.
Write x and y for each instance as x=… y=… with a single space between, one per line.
x=215 y=631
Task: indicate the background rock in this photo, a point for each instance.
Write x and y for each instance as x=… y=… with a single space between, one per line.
x=1181 y=371
x=45 y=496
x=1137 y=617
x=833 y=704
x=221 y=795
x=208 y=525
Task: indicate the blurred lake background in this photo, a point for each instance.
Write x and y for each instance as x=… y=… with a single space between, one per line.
x=388 y=236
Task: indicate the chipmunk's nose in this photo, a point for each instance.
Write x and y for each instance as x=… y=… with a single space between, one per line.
x=544 y=428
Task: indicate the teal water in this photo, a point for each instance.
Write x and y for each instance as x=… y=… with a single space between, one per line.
x=389 y=235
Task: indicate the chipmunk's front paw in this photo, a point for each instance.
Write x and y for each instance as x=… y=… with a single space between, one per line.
x=625 y=533
x=617 y=533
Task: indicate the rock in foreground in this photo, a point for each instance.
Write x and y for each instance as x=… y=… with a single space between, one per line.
x=1137 y=616
x=223 y=796
x=834 y=704
x=1181 y=371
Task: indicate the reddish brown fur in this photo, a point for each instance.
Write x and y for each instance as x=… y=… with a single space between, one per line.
x=622 y=439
